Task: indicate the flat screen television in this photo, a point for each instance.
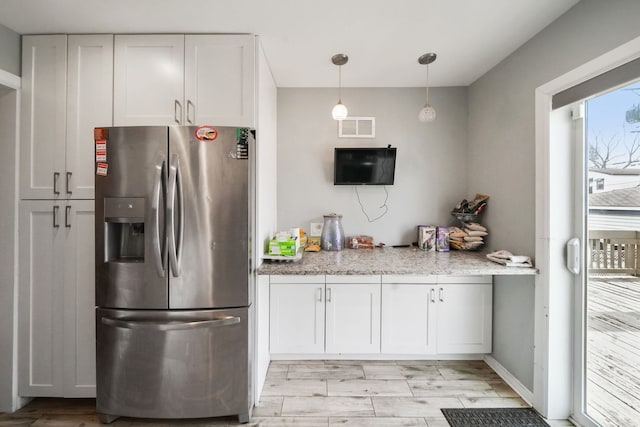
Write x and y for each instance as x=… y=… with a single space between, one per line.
x=364 y=166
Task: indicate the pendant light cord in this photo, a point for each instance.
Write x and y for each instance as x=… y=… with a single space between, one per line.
x=340 y=84
x=427 y=100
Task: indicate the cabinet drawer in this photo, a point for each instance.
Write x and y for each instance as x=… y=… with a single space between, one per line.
x=348 y=278
x=465 y=279
x=406 y=278
x=311 y=278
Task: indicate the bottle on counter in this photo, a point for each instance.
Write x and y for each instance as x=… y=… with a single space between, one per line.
x=332 y=237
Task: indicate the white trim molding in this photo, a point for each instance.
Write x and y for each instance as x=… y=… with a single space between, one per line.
x=9 y=80
x=512 y=381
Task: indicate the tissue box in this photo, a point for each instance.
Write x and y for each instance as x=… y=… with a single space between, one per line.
x=288 y=247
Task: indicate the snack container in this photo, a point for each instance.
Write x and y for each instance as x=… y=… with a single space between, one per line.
x=442 y=239
x=427 y=237
x=361 y=242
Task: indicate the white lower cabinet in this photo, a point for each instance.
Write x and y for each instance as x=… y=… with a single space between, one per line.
x=57 y=326
x=408 y=318
x=443 y=315
x=388 y=315
x=465 y=311
x=296 y=314
x=309 y=317
x=352 y=315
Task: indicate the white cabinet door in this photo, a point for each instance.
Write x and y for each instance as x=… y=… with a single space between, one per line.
x=79 y=299
x=297 y=318
x=353 y=318
x=148 y=80
x=43 y=117
x=41 y=300
x=89 y=105
x=220 y=80
x=408 y=319
x=57 y=326
x=464 y=318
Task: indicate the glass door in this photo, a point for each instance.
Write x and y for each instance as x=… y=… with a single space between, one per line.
x=607 y=377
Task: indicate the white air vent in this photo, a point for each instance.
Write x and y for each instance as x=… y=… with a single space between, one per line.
x=357 y=127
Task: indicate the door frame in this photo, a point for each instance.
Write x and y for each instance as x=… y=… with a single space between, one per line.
x=9 y=399
x=554 y=305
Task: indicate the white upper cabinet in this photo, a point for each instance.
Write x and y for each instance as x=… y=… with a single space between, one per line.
x=186 y=80
x=89 y=105
x=148 y=80
x=219 y=80
x=43 y=117
x=66 y=92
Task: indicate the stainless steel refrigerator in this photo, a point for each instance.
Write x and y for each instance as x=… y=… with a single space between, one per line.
x=173 y=279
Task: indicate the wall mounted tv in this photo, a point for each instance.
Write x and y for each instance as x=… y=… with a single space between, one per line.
x=364 y=166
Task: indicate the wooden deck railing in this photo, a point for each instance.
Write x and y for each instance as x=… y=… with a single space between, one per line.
x=614 y=251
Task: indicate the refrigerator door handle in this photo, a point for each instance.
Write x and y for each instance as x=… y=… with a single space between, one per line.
x=155 y=218
x=159 y=325
x=179 y=247
x=174 y=169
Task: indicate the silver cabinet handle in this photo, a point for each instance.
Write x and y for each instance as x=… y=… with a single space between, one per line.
x=170 y=325
x=176 y=117
x=319 y=295
x=155 y=218
x=441 y=294
x=189 y=103
x=67 y=211
x=56 y=175
x=55 y=217
x=67 y=183
x=328 y=294
x=433 y=295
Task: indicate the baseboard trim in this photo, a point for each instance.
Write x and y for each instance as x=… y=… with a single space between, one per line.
x=508 y=377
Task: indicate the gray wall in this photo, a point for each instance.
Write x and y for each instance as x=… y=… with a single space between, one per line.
x=429 y=178
x=9 y=50
x=501 y=142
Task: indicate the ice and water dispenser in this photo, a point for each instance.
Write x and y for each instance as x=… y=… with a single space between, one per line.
x=124 y=229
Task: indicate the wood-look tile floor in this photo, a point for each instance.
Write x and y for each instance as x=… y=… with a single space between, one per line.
x=326 y=393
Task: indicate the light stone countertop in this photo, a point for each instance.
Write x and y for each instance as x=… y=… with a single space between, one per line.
x=411 y=261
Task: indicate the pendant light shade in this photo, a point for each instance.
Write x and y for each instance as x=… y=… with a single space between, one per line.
x=427 y=113
x=339 y=111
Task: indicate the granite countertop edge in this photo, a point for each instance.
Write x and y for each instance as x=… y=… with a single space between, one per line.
x=389 y=261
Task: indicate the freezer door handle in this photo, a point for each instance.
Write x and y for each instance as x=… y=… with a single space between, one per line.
x=175 y=243
x=159 y=325
x=155 y=218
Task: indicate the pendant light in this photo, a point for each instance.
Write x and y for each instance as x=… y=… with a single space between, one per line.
x=427 y=113
x=339 y=111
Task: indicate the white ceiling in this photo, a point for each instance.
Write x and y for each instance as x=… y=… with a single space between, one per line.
x=383 y=38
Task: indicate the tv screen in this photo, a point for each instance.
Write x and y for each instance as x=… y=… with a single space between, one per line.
x=364 y=166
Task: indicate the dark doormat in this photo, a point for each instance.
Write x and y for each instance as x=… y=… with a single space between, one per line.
x=493 y=417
